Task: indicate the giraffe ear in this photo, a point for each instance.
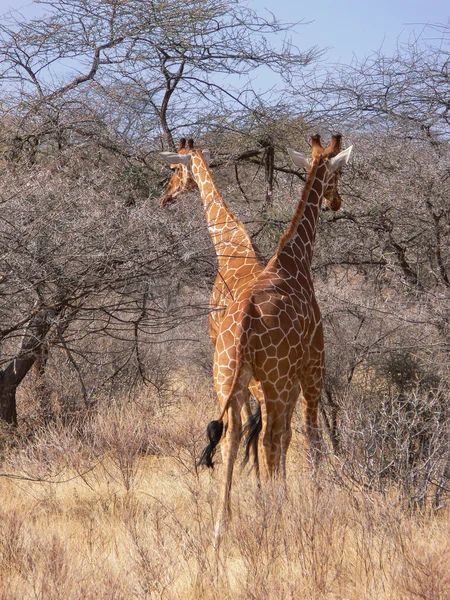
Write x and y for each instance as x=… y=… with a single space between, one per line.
x=299 y=159
x=176 y=159
x=341 y=159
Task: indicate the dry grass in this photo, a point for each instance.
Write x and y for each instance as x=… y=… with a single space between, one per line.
x=121 y=512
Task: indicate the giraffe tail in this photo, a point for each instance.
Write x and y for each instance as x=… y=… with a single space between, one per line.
x=214 y=432
x=215 y=429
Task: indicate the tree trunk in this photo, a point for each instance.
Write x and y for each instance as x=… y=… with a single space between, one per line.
x=14 y=373
x=8 y=411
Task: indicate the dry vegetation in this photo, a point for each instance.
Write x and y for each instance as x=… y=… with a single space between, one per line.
x=113 y=507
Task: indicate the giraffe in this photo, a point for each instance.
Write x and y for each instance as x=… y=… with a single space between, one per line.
x=181 y=180
x=273 y=332
x=238 y=264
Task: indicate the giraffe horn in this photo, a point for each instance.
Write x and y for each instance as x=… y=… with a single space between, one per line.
x=316 y=145
x=190 y=144
x=182 y=144
x=335 y=145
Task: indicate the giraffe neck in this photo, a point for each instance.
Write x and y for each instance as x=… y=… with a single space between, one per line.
x=228 y=234
x=298 y=241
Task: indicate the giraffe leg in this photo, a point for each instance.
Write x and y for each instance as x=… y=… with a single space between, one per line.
x=252 y=426
x=276 y=432
x=287 y=434
x=246 y=412
x=231 y=379
x=230 y=448
x=265 y=442
x=311 y=383
x=273 y=441
x=255 y=390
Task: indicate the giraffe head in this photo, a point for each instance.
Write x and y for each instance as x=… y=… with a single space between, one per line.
x=181 y=180
x=332 y=197
x=184 y=160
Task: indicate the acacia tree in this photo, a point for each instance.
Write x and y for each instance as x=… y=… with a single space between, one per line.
x=93 y=280
x=406 y=91
x=128 y=77
x=89 y=90
x=160 y=65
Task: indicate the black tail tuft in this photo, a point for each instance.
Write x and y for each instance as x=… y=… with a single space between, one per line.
x=252 y=429
x=214 y=432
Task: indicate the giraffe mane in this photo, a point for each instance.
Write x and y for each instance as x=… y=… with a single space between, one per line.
x=291 y=230
x=200 y=154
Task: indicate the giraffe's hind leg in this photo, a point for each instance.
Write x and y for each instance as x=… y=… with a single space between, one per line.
x=231 y=379
x=252 y=429
x=230 y=446
x=276 y=433
x=287 y=435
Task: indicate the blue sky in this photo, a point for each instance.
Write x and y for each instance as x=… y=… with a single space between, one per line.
x=347 y=27
x=356 y=27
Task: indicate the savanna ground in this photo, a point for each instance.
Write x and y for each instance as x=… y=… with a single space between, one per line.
x=112 y=506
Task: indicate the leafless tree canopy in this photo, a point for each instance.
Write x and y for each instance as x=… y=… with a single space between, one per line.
x=139 y=68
